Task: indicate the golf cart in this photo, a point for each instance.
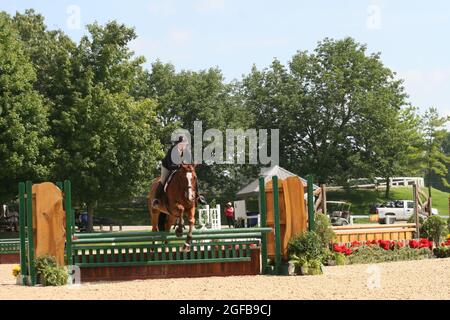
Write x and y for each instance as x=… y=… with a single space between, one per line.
x=339 y=212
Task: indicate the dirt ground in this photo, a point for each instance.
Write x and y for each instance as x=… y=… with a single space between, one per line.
x=425 y=279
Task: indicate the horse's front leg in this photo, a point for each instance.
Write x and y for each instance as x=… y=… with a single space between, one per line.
x=191 y=219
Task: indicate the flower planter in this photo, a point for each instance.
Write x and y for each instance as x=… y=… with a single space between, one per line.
x=292 y=269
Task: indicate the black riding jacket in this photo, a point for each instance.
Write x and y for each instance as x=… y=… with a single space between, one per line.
x=167 y=160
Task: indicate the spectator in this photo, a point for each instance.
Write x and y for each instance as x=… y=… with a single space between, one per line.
x=229 y=213
x=84 y=221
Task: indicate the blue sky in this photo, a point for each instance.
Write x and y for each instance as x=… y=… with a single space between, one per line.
x=413 y=36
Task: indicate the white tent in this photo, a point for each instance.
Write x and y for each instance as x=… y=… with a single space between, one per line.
x=253 y=188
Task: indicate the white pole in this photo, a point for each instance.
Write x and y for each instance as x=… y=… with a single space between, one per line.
x=218 y=217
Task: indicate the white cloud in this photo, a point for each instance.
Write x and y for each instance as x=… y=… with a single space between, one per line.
x=147 y=48
x=179 y=36
x=428 y=87
x=162 y=8
x=210 y=5
x=258 y=43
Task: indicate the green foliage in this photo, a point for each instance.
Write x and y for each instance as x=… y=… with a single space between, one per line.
x=340 y=259
x=442 y=252
x=49 y=272
x=315 y=267
x=311 y=266
x=435 y=228
x=24 y=140
x=45 y=261
x=338 y=99
x=188 y=96
x=54 y=276
x=422 y=232
x=434 y=159
x=323 y=229
x=362 y=199
x=376 y=254
x=307 y=244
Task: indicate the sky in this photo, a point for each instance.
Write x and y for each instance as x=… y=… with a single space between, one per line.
x=412 y=35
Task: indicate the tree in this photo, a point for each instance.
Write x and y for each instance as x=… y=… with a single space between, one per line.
x=396 y=149
x=327 y=105
x=105 y=140
x=24 y=144
x=187 y=96
x=435 y=160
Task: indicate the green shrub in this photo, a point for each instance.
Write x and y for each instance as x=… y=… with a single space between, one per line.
x=340 y=259
x=45 y=261
x=442 y=252
x=54 y=276
x=435 y=228
x=323 y=229
x=307 y=244
x=315 y=267
x=376 y=254
x=448 y=224
x=299 y=261
x=422 y=233
x=49 y=273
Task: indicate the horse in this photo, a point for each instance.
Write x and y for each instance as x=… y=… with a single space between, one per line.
x=180 y=198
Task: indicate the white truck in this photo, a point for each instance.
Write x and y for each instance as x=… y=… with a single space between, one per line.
x=400 y=210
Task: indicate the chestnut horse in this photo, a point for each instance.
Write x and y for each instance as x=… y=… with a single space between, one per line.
x=180 y=198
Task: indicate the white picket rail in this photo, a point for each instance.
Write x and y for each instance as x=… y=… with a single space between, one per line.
x=211 y=217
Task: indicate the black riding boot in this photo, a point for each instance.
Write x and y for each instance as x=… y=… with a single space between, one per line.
x=200 y=198
x=158 y=194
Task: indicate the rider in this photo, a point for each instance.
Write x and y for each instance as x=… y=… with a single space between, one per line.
x=168 y=165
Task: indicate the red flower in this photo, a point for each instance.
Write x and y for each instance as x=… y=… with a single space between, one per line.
x=355 y=243
x=413 y=244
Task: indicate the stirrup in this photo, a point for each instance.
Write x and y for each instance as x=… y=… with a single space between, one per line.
x=155 y=203
x=202 y=200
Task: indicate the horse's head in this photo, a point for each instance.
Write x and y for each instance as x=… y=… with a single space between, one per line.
x=189 y=182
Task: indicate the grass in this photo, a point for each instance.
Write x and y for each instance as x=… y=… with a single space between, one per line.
x=133 y=213
x=361 y=200
x=9 y=235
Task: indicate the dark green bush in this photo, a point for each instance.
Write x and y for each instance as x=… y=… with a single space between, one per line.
x=442 y=252
x=45 y=261
x=49 y=273
x=307 y=244
x=323 y=229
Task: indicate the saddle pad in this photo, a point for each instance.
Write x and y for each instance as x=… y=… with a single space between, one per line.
x=169 y=179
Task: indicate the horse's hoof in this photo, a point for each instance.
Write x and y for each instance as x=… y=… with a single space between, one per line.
x=186 y=248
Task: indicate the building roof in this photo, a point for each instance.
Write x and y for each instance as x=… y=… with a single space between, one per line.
x=252 y=189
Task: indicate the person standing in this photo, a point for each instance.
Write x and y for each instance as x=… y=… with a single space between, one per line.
x=229 y=213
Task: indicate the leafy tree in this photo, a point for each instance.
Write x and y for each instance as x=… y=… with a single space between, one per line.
x=326 y=104
x=187 y=96
x=106 y=141
x=24 y=144
x=397 y=148
x=435 y=160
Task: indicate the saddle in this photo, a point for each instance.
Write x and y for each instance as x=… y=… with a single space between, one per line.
x=164 y=199
x=169 y=178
